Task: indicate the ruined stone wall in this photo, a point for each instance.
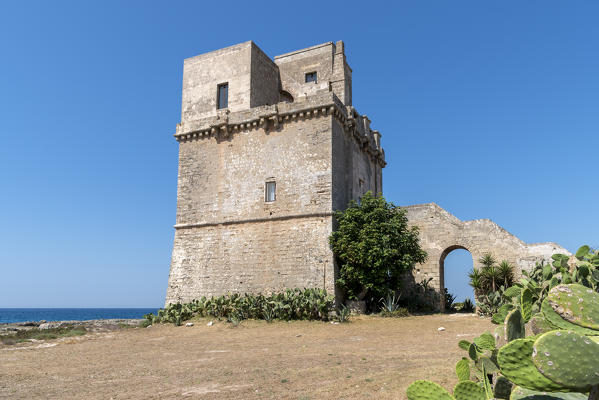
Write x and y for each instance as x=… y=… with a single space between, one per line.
x=441 y=233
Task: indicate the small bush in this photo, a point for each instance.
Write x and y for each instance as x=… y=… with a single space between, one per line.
x=42 y=334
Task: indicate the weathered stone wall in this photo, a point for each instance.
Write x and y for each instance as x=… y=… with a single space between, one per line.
x=354 y=172
x=441 y=233
x=200 y=80
x=260 y=256
x=265 y=82
x=320 y=152
x=327 y=60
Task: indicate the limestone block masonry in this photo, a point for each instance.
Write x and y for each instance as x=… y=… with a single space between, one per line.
x=261 y=173
x=441 y=233
x=278 y=129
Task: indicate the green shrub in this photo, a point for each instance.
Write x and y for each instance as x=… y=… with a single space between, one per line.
x=466 y=306
x=293 y=304
x=42 y=334
x=375 y=246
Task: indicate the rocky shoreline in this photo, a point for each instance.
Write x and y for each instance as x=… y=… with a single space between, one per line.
x=93 y=325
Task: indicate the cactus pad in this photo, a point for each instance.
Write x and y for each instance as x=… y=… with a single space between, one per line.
x=567 y=358
x=464 y=345
x=514 y=325
x=462 y=369
x=502 y=388
x=515 y=362
x=555 y=319
x=576 y=304
x=468 y=390
x=486 y=341
x=526 y=304
x=526 y=394
x=427 y=390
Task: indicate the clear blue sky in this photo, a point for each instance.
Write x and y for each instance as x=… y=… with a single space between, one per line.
x=489 y=109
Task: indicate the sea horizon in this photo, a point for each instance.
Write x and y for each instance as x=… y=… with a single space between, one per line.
x=36 y=314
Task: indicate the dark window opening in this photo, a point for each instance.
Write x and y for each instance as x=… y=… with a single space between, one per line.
x=311 y=77
x=270 y=191
x=223 y=96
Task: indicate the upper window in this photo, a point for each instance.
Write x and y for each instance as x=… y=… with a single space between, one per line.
x=222 y=96
x=311 y=77
x=270 y=190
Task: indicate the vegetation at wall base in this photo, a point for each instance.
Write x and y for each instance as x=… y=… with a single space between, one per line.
x=560 y=360
x=374 y=246
x=292 y=304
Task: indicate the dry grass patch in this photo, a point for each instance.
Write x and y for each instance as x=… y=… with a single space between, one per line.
x=370 y=357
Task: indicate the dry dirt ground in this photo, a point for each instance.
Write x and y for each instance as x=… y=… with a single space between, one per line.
x=370 y=357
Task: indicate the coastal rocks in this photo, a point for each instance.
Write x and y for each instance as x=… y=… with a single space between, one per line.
x=51 y=325
x=96 y=325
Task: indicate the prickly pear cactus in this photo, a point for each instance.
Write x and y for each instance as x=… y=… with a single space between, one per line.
x=462 y=369
x=468 y=390
x=560 y=363
x=568 y=359
x=519 y=393
x=426 y=390
x=515 y=363
x=558 y=322
x=576 y=304
x=514 y=325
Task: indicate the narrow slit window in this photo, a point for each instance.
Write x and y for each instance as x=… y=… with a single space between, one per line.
x=271 y=188
x=311 y=77
x=223 y=96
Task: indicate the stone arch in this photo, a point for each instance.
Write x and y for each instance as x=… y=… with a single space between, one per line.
x=444 y=254
x=440 y=233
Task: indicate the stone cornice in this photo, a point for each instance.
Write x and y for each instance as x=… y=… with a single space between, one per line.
x=254 y=220
x=225 y=123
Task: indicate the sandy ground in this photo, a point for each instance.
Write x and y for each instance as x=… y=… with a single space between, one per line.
x=370 y=357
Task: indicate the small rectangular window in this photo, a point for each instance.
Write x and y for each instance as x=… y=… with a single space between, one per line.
x=271 y=188
x=223 y=96
x=311 y=77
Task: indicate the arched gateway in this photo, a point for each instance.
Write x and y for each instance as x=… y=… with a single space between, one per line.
x=441 y=233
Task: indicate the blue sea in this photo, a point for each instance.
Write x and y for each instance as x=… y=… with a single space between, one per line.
x=70 y=314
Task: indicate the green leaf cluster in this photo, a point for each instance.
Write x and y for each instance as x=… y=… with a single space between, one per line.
x=374 y=246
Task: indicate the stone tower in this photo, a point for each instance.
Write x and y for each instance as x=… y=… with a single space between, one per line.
x=267 y=151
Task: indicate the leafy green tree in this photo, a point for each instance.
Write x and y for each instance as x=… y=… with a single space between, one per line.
x=375 y=246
